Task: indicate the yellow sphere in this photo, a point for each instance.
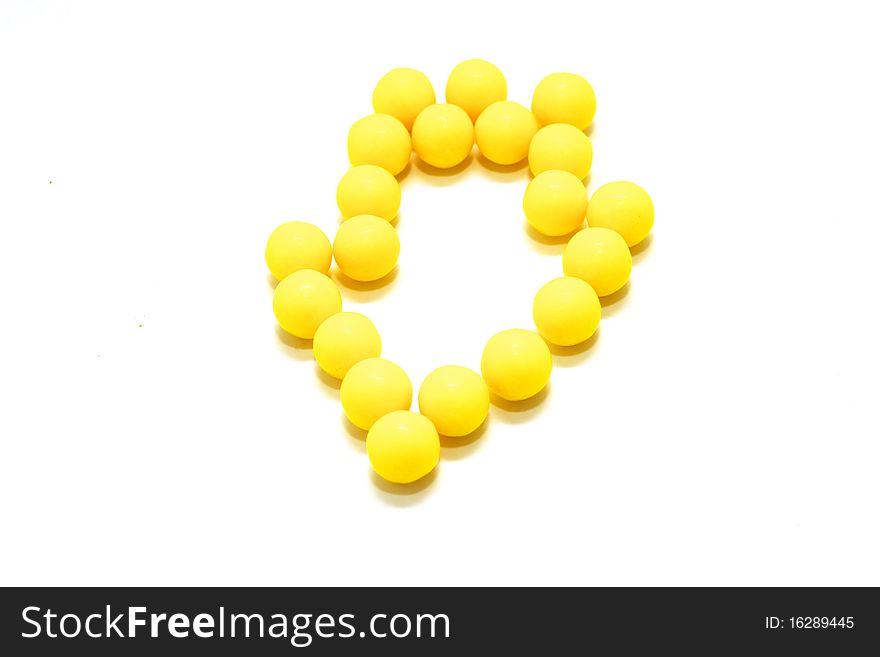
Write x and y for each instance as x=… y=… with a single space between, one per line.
x=368 y=189
x=403 y=446
x=403 y=93
x=564 y=98
x=504 y=131
x=600 y=257
x=624 y=207
x=455 y=399
x=516 y=364
x=555 y=202
x=566 y=311
x=366 y=247
x=382 y=140
x=474 y=85
x=297 y=245
x=372 y=388
x=443 y=135
x=303 y=300
x=344 y=339
x=561 y=146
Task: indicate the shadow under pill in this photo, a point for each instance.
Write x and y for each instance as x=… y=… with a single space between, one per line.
x=573 y=355
x=442 y=177
x=454 y=448
x=330 y=385
x=501 y=172
x=403 y=495
x=517 y=412
x=640 y=250
x=613 y=303
x=296 y=348
x=354 y=436
x=365 y=291
x=547 y=244
x=405 y=172
x=353 y=431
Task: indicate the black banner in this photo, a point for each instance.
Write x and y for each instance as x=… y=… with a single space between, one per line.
x=445 y=621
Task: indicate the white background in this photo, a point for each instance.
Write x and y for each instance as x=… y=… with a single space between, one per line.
x=156 y=429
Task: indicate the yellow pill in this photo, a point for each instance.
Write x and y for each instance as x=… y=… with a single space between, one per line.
x=455 y=399
x=623 y=207
x=366 y=248
x=567 y=311
x=516 y=364
x=475 y=84
x=382 y=140
x=561 y=146
x=564 y=98
x=443 y=135
x=297 y=245
x=600 y=257
x=504 y=131
x=372 y=388
x=344 y=339
x=555 y=202
x=403 y=446
x=403 y=93
x=368 y=189
x=303 y=300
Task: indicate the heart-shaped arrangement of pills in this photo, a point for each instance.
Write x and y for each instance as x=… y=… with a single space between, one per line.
x=376 y=394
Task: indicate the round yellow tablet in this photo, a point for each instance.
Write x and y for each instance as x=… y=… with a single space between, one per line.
x=297 y=245
x=566 y=311
x=455 y=399
x=372 y=388
x=555 y=202
x=303 y=300
x=368 y=189
x=403 y=93
x=403 y=446
x=561 y=146
x=564 y=98
x=474 y=85
x=600 y=257
x=382 y=140
x=443 y=135
x=504 y=131
x=516 y=364
x=344 y=339
x=623 y=207
x=366 y=247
